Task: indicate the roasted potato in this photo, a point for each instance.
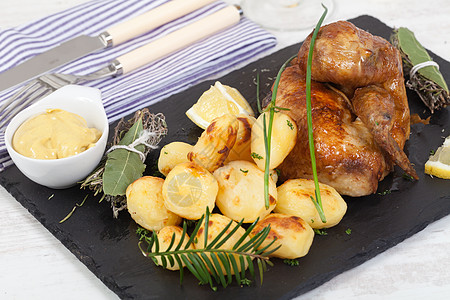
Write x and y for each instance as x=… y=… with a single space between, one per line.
x=241 y=191
x=283 y=138
x=274 y=175
x=291 y=232
x=164 y=240
x=294 y=198
x=188 y=190
x=214 y=144
x=242 y=147
x=171 y=155
x=146 y=204
x=216 y=224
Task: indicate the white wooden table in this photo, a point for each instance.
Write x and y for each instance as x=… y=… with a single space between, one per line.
x=34 y=264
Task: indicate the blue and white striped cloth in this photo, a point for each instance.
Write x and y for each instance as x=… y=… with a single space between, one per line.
x=155 y=82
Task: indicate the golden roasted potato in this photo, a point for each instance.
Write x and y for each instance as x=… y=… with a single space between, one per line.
x=216 y=224
x=241 y=191
x=294 y=199
x=146 y=204
x=274 y=175
x=171 y=155
x=291 y=232
x=283 y=138
x=242 y=147
x=164 y=240
x=214 y=144
x=188 y=190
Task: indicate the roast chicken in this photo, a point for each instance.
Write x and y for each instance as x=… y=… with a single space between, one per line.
x=360 y=111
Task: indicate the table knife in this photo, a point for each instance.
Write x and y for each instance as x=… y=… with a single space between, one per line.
x=83 y=45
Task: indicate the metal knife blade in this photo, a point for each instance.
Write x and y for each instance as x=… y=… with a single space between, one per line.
x=83 y=45
x=51 y=59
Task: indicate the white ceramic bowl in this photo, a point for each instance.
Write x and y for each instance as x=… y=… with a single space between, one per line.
x=64 y=172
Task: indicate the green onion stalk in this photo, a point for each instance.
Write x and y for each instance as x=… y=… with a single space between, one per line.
x=318 y=201
x=272 y=108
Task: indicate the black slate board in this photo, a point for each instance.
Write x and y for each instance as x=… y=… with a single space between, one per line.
x=108 y=247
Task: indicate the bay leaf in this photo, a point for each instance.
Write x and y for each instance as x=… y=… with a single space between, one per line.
x=123 y=166
x=417 y=54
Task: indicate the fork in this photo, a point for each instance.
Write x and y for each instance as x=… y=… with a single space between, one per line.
x=196 y=31
x=46 y=84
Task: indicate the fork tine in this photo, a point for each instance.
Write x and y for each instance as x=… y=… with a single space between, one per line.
x=21 y=96
x=54 y=81
x=41 y=87
x=17 y=95
x=30 y=96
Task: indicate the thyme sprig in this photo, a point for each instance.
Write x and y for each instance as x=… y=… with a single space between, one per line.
x=210 y=264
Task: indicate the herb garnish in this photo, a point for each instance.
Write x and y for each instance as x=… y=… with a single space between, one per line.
x=385 y=192
x=291 y=262
x=209 y=269
x=73 y=209
x=348 y=231
x=272 y=108
x=256 y=155
x=289 y=123
x=427 y=82
x=120 y=167
x=408 y=177
x=268 y=129
x=144 y=234
x=246 y=281
x=317 y=201
x=320 y=231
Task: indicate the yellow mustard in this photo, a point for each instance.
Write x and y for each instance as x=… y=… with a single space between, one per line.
x=54 y=134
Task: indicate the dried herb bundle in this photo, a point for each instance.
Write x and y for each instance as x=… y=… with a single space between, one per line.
x=428 y=82
x=120 y=167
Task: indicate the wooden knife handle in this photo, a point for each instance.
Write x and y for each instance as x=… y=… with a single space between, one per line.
x=152 y=19
x=179 y=39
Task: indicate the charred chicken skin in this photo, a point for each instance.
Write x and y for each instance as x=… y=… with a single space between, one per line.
x=359 y=109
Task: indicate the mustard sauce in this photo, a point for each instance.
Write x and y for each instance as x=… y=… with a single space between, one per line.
x=54 y=134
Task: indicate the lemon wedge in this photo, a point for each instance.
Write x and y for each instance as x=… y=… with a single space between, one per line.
x=439 y=163
x=217 y=101
x=188 y=190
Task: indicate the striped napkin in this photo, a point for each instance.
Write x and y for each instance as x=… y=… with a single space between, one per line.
x=125 y=94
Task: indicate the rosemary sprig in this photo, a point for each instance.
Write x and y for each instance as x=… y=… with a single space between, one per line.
x=209 y=263
x=73 y=210
x=317 y=201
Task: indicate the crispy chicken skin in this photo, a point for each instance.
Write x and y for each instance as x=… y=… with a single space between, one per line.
x=347 y=156
x=361 y=122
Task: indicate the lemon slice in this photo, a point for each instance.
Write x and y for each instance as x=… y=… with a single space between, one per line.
x=217 y=101
x=188 y=189
x=439 y=163
x=184 y=190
